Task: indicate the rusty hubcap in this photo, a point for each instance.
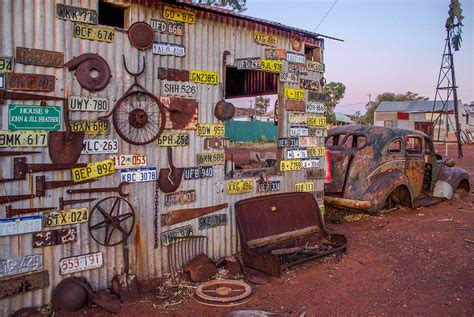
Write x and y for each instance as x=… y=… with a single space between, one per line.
x=138 y=118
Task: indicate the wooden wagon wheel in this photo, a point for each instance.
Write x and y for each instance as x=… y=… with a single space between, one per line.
x=223 y=291
x=110 y=223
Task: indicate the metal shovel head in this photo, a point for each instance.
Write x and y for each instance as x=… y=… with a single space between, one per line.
x=125 y=286
x=65 y=147
x=169 y=182
x=107 y=301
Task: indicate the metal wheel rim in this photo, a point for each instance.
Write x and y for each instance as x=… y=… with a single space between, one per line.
x=204 y=289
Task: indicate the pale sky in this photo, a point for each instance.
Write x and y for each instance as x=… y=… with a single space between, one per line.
x=389 y=45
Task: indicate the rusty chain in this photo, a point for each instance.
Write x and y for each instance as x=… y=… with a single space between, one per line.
x=155 y=215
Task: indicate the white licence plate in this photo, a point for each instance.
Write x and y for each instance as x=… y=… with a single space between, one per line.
x=298 y=130
x=161 y=48
x=79 y=103
x=297 y=154
x=139 y=175
x=129 y=160
x=315 y=107
x=100 y=146
x=178 y=88
x=80 y=263
x=20 y=225
x=310 y=163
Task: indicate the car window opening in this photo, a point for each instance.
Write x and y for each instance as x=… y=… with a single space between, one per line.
x=395 y=146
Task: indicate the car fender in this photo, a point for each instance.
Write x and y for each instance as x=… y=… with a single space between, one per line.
x=448 y=181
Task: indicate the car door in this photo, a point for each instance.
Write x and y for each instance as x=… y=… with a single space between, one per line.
x=415 y=164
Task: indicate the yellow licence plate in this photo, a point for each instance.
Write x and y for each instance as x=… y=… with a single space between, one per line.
x=316 y=121
x=304 y=187
x=90 y=127
x=290 y=165
x=66 y=217
x=93 y=170
x=6 y=64
x=265 y=39
x=239 y=187
x=210 y=129
x=177 y=14
x=94 y=33
x=292 y=93
x=316 y=151
x=202 y=77
x=272 y=66
x=211 y=158
x=173 y=139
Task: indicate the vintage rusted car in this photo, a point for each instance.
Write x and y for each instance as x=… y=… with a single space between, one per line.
x=378 y=168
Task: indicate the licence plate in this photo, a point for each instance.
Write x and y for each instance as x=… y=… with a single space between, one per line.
x=93 y=170
x=315 y=66
x=287 y=142
x=215 y=143
x=3 y=81
x=319 y=132
x=166 y=27
x=296 y=154
x=21 y=264
x=215 y=158
x=79 y=103
x=316 y=151
x=173 y=139
x=268 y=186
x=91 y=126
x=299 y=69
x=94 y=33
x=6 y=64
x=248 y=63
x=180 y=198
x=198 y=172
x=265 y=39
x=239 y=187
x=290 y=165
x=293 y=93
x=308 y=141
x=317 y=107
x=65 y=217
x=210 y=129
x=304 y=187
x=100 y=146
x=212 y=221
x=23 y=139
x=272 y=66
x=168 y=237
x=271 y=53
x=297 y=118
x=178 y=88
x=129 y=160
x=80 y=263
x=310 y=163
x=180 y=15
x=309 y=84
x=20 y=225
x=316 y=121
x=295 y=58
x=202 y=77
x=139 y=175
x=289 y=78
x=170 y=49
x=298 y=130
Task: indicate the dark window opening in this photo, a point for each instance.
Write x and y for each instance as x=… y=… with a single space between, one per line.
x=413 y=145
x=111 y=14
x=395 y=146
x=312 y=53
x=247 y=83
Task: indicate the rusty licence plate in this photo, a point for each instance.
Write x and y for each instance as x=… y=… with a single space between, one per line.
x=21 y=264
x=180 y=198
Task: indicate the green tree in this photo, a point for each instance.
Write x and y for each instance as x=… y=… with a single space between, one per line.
x=389 y=96
x=333 y=93
x=235 y=5
x=261 y=105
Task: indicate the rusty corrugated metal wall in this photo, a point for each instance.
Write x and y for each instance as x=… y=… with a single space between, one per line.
x=33 y=24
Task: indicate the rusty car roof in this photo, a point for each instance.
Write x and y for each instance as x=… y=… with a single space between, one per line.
x=370 y=131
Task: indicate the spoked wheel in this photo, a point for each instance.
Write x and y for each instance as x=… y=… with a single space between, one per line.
x=139 y=117
x=111 y=221
x=223 y=292
x=399 y=197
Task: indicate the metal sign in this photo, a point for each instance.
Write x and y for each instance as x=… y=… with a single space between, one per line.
x=166 y=27
x=6 y=64
x=20 y=225
x=29 y=117
x=315 y=121
x=100 y=146
x=79 y=103
x=315 y=66
x=214 y=158
x=23 y=283
x=210 y=129
x=296 y=154
x=93 y=170
x=3 y=81
x=32 y=82
x=23 y=139
x=292 y=93
x=287 y=142
x=54 y=237
x=314 y=96
x=272 y=53
x=272 y=66
x=21 y=264
x=309 y=84
x=299 y=69
x=173 y=139
x=304 y=187
x=198 y=172
x=268 y=186
x=297 y=118
x=298 y=130
x=202 y=77
x=129 y=160
x=72 y=216
x=76 y=14
x=179 y=89
x=315 y=107
x=289 y=78
x=91 y=126
x=290 y=165
x=215 y=143
x=318 y=151
x=295 y=105
x=173 y=74
x=295 y=58
x=139 y=175
x=308 y=141
x=248 y=63
x=318 y=131
x=265 y=39
x=32 y=56
x=180 y=198
x=94 y=33
x=168 y=49
x=239 y=187
x=81 y=263
x=314 y=174
x=310 y=163
x=212 y=221
x=182 y=232
x=180 y=15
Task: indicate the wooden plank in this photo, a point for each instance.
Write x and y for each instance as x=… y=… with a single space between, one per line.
x=260 y=242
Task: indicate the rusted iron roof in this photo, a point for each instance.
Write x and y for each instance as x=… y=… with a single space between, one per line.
x=412 y=106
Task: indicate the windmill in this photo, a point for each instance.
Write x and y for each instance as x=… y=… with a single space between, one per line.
x=446 y=88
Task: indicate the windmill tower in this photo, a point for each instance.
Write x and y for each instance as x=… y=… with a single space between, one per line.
x=446 y=88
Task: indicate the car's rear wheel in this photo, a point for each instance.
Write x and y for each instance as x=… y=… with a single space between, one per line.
x=399 y=197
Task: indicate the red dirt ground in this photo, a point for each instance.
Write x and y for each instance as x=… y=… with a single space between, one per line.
x=407 y=262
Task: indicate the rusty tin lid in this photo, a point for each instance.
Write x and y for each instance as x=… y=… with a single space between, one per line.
x=141 y=35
